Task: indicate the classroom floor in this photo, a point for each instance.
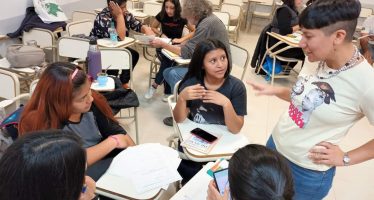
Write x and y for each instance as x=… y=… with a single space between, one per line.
x=353 y=182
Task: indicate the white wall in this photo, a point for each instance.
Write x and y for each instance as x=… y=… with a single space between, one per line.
x=13 y=12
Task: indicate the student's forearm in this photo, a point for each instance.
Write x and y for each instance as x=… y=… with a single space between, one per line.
x=233 y=121
x=180 y=110
x=187 y=37
x=173 y=48
x=362 y=153
x=283 y=93
x=156 y=31
x=121 y=27
x=99 y=151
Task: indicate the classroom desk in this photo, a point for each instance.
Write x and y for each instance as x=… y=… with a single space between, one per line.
x=292 y=40
x=107 y=88
x=225 y=147
x=106 y=42
x=3 y=37
x=120 y=188
x=142 y=162
x=197 y=187
x=249 y=8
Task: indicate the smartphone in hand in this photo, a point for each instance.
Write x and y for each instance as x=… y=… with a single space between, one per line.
x=221 y=178
x=203 y=135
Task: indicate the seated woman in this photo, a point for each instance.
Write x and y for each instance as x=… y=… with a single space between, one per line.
x=123 y=20
x=172 y=25
x=285 y=22
x=256 y=172
x=45 y=165
x=209 y=94
x=64 y=100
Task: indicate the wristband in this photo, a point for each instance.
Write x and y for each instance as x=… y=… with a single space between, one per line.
x=84 y=188
x=116 y=139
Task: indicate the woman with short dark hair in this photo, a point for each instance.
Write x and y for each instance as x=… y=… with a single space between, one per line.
x=326 y=101
x=44 y=165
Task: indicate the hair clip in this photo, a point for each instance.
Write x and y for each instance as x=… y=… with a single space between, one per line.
x=74 y=73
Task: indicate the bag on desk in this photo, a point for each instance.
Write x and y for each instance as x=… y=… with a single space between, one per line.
x=49 y=11
x=20 y=56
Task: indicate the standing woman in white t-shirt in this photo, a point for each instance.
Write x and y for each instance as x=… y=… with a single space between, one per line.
x=326 y=101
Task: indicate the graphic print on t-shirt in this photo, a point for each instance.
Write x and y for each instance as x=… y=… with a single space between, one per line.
x=300 y=112
x=206 y=113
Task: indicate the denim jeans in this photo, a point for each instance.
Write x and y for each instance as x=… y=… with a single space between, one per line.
x=164 y=64
x=174 y=74
x=308 y=184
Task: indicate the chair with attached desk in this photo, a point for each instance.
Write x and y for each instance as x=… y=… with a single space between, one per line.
x=25 y=75
x=151 y=8
x=72 y=47
x=79 y=15
x=44 y=38
x=79 y=27
x=264 y=10
x=224 y=148
x=120 y=59
x=274 y=54
x=235 y=20
x=239 y=58
x=11 y=89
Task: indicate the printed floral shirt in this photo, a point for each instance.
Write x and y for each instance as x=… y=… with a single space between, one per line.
x=103 y=20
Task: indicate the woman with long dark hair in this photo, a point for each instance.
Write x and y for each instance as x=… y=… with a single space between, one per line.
x=172 y=25
x=45 y=165
x=208 y=93
x=256 y=172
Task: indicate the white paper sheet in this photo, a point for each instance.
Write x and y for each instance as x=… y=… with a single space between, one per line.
x=149 y=166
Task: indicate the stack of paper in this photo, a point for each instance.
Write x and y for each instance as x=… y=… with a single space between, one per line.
x=148 y=166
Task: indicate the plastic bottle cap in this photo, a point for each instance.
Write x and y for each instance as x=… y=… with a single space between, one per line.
x=93 y=41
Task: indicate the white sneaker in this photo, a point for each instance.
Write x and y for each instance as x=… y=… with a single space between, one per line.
x=165 y=98
x=151 y=91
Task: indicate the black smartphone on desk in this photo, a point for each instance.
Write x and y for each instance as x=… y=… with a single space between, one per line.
x=203 y=135
x=221 y=178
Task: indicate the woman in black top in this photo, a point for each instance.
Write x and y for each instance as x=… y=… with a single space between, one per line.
x=171 y=22
x=285 y=22
x=172 y=25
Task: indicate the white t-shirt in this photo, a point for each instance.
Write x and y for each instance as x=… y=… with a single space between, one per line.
x=324 y=110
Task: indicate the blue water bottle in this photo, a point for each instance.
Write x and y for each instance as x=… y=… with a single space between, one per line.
x=113 y=33
x=93 y=59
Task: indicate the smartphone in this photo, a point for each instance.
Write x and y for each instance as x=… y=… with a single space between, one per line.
x=221 y=178
x=203 y=135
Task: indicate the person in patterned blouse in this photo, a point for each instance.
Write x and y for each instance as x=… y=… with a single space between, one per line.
x=124 y=21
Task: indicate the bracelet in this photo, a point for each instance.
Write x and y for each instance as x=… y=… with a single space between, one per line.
x=116 y=139
x=84 y=188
